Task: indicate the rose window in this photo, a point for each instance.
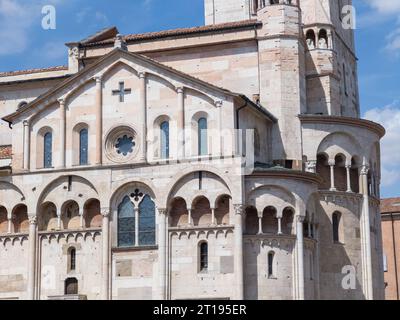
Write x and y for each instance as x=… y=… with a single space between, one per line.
x=125 y=145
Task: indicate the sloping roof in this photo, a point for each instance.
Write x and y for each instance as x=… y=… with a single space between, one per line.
x=390 y=205
x=104 y=34
x=175 y=32
x=5 y=152
x=30 y=71
x=41 y=98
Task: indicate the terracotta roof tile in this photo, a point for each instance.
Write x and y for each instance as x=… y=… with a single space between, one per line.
x=5 y=152
x=30 y=71
x=390 y=205
x=180 y=32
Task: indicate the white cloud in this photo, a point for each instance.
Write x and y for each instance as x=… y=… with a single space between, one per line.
x=382 y=11
x=388 y=7
x=389 y=117
x=393 y=42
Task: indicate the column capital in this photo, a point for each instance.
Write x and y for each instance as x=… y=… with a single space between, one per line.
x=98 y=79
x=32 y=220
x=311 y=166
x=331 y=162
x=180 y=90
x=162 y=211
x=105 y=212
x=26 y=123
x=300 y=219
x=142 y=74
x=218 y=103
x=364 y=169
x=61 y=101
x=348 y=166
x=239 y=209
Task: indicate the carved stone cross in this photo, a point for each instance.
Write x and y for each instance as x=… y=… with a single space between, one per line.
x=121 y=92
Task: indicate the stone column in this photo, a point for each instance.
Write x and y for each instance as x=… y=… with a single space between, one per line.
x=366 y=235
x=348 y=167
x=300 y=257
x=213 y=217
x=59 y=218
x=181 y=123
x=62 y=132
x=32 y=257
x=136 y=210
x=309 y=229
x=189 y=217
x=162 y=252
x=143 y=111
x=218 y=104
x=27 y=145
x=279 y=225
x=238 y=250
x=9 y=226
x=317 y=257
x=105 y=270
x=82 y=220
x=99 y=121
x=260 y=216
x=332 y=167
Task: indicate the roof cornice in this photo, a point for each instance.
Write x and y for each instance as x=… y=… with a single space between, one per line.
x=193 y=31
x=362 y=123
x=287 y=174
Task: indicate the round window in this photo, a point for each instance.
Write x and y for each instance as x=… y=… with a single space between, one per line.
x=125 y=145
x=121 y=144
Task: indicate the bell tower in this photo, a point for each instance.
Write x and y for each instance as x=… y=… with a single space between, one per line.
x=222 y=11
x=331 y=63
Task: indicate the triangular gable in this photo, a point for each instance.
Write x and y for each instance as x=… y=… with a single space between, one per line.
x=140 y=60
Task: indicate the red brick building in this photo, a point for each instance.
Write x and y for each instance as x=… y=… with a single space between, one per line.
x=390 y=210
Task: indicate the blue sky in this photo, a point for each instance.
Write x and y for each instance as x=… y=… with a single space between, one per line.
x=24 y=45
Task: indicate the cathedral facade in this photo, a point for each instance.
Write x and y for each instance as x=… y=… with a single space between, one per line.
x=227 y=161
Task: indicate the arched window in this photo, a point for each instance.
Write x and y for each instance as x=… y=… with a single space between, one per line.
x=202 y=136
x=164 y=128
x=203 y=257
x=126 y=223
x=71 y=286
x=147 y=222
x=310 y=38
x=336 y=216
x=83 y=147
x=271 y=264
x=48 y=150
x=323 y=39
x=72 y=259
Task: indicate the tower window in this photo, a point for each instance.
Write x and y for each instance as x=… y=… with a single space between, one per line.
x=202 y=136
x=48 y=152
x=203 y=257
x=83 y=147
x=271 y=264
x=72 y=259
x=164 y=128
x=336 y=217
